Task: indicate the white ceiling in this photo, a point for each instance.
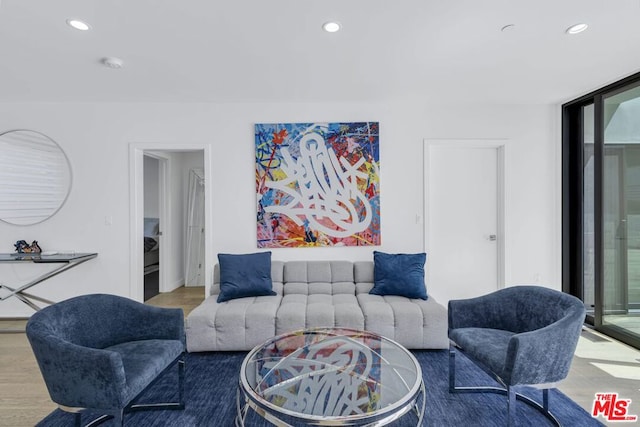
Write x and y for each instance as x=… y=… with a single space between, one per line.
x=440 y=51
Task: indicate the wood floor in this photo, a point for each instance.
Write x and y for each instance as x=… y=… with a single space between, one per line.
x=600 y=365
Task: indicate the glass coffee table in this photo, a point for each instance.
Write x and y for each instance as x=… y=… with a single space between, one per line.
x=330 y=377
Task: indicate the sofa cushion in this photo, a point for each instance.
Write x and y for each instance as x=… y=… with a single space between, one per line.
x=300 y=311
x=399 y=274
x=238 y=324
x=245 y=275
x=414 y=323
x=321 y=288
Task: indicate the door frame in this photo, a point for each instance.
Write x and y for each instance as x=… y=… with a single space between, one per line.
x=500 y=145
x=136 y=214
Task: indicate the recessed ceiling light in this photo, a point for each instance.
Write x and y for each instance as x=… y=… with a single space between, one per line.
x=112 y=62
x=78 y=25
x=577 y=28
x=331 y=27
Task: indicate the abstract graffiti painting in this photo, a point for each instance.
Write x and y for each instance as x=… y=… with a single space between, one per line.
x=317 y=184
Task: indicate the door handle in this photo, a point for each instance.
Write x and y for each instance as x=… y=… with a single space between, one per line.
x=493 y=237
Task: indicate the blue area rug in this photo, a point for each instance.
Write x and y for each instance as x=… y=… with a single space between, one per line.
x=211 y=383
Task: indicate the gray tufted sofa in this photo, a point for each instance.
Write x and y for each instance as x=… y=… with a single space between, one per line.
x=315 y=294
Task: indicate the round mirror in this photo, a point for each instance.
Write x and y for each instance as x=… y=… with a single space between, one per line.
x=35 y=177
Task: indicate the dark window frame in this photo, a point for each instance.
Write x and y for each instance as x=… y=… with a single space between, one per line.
x=573 y=201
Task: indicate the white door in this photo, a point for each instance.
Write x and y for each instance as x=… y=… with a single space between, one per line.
x=463 y=233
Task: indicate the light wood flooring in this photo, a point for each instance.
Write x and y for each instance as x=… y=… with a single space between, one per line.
x=601 y=364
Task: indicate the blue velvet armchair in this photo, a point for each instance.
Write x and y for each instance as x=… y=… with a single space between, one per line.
x=100 y=352
x=522 y=335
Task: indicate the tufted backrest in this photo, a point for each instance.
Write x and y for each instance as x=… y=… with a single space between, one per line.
x=319 y=277
x=315 y=277
x=363 y=275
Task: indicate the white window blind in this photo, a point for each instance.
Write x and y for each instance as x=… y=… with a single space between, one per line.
x=34 y=177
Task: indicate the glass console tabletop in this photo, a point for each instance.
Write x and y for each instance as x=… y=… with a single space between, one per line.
x=66 y=261
x=39 y=257
x=330 y=376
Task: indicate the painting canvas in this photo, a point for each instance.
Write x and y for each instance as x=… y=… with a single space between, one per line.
x=317 y=184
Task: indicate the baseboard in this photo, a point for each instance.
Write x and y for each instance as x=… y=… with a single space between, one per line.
x=175 y=285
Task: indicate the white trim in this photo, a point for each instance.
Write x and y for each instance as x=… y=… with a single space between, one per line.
x=557 y=192
x=136 y=207
x=501 y=148
x=136 y=223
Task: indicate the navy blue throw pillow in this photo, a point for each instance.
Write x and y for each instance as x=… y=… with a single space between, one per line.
x=245 y=275
x=399 y=274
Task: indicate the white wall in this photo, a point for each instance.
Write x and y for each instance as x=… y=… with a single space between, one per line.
x=101 y=187
x=532 y=184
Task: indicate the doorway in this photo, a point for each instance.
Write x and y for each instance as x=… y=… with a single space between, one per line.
x=464 y=206
x=176 y=163
x=154 y=193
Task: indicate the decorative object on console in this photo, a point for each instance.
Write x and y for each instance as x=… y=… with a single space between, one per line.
x=36 y=177
x=317 y=184
x=22 y=247
x=399 y=274
x=245 y=275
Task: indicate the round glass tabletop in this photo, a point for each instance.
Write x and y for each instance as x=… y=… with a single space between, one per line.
x=331 y=377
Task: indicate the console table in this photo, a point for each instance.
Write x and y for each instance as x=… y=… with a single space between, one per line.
x=66 y=261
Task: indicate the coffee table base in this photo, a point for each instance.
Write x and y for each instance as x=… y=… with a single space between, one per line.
x=244 y=405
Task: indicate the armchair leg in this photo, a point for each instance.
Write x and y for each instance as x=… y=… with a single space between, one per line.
x=168 y=405
x=118 y=415
x=118 y=418
x=511 y=406
x=98 y=421
x=181 y=382
x=77 y=418
x=512 y=396
x=452 y=371
x=545 y=399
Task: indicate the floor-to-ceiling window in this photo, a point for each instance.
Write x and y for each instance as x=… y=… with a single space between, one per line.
x=601 y=206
